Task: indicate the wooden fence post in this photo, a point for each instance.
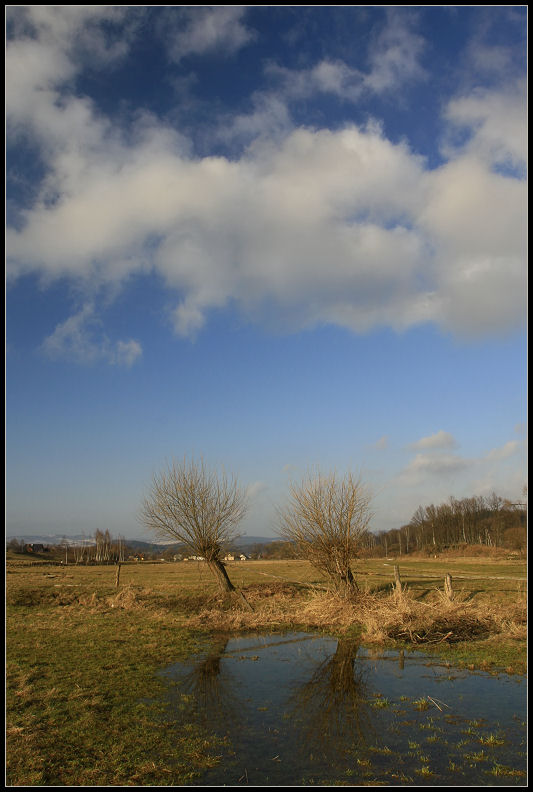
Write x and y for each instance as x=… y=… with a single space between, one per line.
x=448 y=589
x=117 y=578
x=397 y=580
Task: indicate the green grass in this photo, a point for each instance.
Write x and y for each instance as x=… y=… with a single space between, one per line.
x=471 y=577
x=77 y=686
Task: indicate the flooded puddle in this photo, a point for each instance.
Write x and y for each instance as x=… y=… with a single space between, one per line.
x=301 y=709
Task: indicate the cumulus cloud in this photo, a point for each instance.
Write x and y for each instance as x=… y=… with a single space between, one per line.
x=504 y=452
x=309 y=226
x=125 y=353
x=395 y=58
x=342 y=227
x=393 y=63
x=435 y=465
x=327 y=76
x=49 y=45
x=269 y=119
x=497 y=124
x=440 y=439
x=203 y=29
x=80 y=339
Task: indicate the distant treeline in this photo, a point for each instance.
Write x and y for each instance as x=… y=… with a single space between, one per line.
x=102 y=548
x=488 y=521
x=492 y=522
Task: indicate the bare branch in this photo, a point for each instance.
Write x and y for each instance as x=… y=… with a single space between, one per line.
x=197 y=507
x=326 y=518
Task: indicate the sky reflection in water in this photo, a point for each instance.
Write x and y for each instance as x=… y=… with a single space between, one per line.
x=299 y=709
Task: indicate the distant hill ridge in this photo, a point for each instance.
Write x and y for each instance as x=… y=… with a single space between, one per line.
x=135 y=544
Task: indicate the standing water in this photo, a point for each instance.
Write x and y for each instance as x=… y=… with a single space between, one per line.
x=301 y=709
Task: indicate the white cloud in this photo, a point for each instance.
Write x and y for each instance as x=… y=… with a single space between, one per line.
x=307 y=226
x=196 y=31
x=255 y=489
x=341 y=227
x=126 y=353
x=440 y=439
x=395 y=58
x=492 y=59
x=327 y=76
x=79 y=339
x=382 y=443
x=269 y=120
x=504 y=452
x=434 y=465
x=498 y=123
x=434 y=474
x=188 y=319
x=476 y=220
x=393 y=63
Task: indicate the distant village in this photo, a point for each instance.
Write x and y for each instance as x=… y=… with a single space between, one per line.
x=92 y=552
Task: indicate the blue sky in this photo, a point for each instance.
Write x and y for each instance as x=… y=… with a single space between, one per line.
x=278 y=238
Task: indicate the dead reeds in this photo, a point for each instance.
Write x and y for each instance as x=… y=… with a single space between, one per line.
x=436 y=620
x=381 y=616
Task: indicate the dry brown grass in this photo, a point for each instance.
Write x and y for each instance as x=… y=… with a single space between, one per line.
x=130 y=598
x=281 y=596
x=380 y=618
x=438 y=619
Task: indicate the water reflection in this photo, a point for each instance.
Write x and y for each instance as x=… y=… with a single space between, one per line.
x=210 y=687
x=332 y=705
x=300 y=709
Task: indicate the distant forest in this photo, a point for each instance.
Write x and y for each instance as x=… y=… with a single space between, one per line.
x=479 y=521
x=487 y=521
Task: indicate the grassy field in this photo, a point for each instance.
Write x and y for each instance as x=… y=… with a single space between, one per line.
x=82 y=653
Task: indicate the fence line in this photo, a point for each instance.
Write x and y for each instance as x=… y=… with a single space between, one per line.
x=414 y=574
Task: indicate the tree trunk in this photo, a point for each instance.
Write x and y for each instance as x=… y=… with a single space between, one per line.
x=345 y=582
x=226 y=586
x=219 y=571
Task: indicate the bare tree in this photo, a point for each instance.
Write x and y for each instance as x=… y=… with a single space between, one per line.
x=79 y=551
x=103 y=541
x=326 y=518
x=15 y=545
x=64 y=545
x=199 y=508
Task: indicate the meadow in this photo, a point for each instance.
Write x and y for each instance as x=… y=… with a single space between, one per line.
x=83 y=697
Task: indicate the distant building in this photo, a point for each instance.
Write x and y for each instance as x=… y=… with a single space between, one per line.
x=34 y=548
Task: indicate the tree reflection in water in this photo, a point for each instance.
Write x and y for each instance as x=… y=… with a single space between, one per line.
x=332 y=707
x=212 y=694
x=289 y=714
x=322 y=717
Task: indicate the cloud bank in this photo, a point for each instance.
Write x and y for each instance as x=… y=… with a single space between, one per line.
x=305 y=226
